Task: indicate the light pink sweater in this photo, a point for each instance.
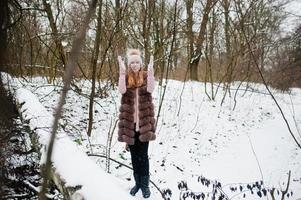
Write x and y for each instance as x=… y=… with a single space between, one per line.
x=150 y=88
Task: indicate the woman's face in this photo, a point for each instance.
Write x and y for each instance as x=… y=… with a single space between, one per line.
x=135 y=66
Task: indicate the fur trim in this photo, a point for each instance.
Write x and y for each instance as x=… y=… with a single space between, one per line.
x=152 y=121
x=147 y=137
x=144 y=98
x=127 y=132
x=126 y=116
x=153 y=128
x=144 y=121
x=153 y=136
x=129 y=94
x=146 y=113
x=143 y=90
x=126 y=124
x=148 y=120
x=127 y=108
x=146 y=105
x=144 y=129
x=128 y=140
x=126 y=100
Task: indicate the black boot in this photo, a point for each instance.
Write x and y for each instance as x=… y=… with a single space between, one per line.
x=144 y=183
x=136 y=188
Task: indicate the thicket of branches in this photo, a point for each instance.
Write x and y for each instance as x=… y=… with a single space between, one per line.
x=216 y=41
x=286 y=71
x=210 y=39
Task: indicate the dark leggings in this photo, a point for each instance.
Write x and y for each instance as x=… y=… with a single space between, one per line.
x=139 y=154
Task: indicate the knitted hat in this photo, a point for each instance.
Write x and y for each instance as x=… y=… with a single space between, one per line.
x=134 y=55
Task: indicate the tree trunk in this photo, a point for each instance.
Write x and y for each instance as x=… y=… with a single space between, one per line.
x=211 y=51
x=147 y=12
x=159 y=40
x=56 y=37
x=4 y=18
x=228 y=63
x=196 y=56
x=189 y=24
x=94 y=65
x=120 y=35
x=226 y=5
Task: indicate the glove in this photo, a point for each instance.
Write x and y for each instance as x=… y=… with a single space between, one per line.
x=121 y=66
x=150 y=75
x=150 y=67
x=121 y=81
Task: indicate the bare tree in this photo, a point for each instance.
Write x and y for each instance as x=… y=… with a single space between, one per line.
x=189 y=31
x=249 y=46
x=209 y=53
x=197 y=53
x=55 y=33
x=77 y=44
x=93 y=66
x=174 y=35
x=147 y=10
x=159 y=35
x=4 y=20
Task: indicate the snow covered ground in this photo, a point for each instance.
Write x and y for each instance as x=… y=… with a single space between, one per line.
x=201 y=145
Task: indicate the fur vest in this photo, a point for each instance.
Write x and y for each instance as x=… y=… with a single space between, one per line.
x=146 y=115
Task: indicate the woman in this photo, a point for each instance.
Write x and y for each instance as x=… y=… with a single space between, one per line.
x=136 y=118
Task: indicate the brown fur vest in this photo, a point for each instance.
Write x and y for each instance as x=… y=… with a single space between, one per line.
x=146 y=115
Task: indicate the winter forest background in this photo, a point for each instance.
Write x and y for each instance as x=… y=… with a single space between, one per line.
x=227 y=98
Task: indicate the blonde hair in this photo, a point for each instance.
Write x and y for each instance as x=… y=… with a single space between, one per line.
x=135 y=79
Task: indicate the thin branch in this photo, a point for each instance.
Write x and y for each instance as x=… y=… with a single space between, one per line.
x=169 y=61
x=287 y=185
x=254 y=153
x=266 y=86
x=294 y=117
x=75 y=51
x=180 y=104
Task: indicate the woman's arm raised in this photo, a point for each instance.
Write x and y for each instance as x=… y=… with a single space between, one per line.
x=121 y=81
x=150 y=75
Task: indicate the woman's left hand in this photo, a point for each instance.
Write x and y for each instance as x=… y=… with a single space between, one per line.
x=150 y=75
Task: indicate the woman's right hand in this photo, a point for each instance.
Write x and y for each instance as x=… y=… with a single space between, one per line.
x=121 y=66
x=121 y=81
